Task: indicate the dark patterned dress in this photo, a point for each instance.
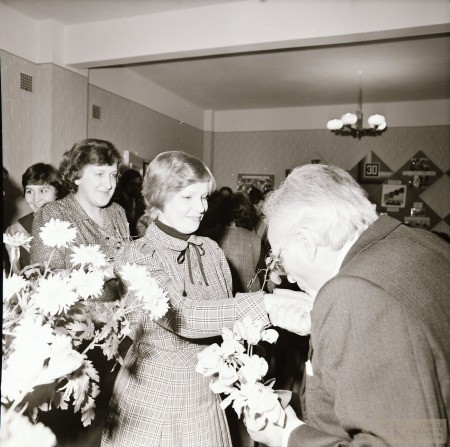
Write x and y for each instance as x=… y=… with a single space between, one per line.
x=159 y=400
x=111 y=237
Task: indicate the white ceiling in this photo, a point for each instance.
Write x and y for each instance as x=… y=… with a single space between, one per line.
x=393 y=70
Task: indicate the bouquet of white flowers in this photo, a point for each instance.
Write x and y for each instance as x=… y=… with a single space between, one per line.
x=237 y=372
x=47 y=317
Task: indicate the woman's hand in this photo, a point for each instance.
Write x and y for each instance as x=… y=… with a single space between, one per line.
x=290 y=310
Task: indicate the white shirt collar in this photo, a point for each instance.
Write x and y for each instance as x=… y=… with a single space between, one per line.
x=344 y=250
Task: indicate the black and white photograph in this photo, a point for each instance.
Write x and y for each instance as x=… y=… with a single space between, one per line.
x=226 y=223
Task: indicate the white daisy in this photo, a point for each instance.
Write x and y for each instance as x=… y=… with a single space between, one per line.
x=57 y=233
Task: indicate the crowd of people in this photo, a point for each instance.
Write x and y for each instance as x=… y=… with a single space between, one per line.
x=379 y=349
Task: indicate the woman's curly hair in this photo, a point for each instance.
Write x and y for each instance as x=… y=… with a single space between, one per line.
x=83 y=153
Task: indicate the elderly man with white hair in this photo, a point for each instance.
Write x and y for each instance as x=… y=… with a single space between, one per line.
x=378 y=368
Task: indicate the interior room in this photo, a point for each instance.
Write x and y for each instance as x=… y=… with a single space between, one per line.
x=252 y=89
x=248 y=86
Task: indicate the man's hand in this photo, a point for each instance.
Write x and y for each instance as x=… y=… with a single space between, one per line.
x=294 y=319
x=290 y=310
x=271 y=434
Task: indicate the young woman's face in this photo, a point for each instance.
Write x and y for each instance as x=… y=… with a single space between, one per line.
x=185 y=210
x=38 y=195
x=97 y=184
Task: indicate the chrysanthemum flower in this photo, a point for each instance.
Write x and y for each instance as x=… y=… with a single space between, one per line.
x=63 y=360
x=136 y=276
x=57 y=233
x=18 y=431
x=88 y=255
x=87 y=284
x=12 y=285
x=54 y=294
x=157 y=305
x=17 y=239
x=146 y=289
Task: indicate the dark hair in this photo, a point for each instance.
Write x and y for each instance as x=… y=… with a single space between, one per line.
x=43 y=174
x=226 y=190
x=129 y=174
x=240 y=211
x=86 y=152
x=255 y=195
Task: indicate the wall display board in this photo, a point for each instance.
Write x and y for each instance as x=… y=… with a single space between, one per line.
x=399 y=193
x=263 y=182
x=393 y=195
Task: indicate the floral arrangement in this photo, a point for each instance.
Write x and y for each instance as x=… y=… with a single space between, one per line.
x=238 y=373
x=50 y=322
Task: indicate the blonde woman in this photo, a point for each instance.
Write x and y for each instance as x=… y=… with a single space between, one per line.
x=159 y=399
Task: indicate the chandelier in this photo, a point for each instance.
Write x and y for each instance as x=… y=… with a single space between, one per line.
x=352 y=123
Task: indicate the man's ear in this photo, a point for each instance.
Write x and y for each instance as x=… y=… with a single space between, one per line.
x=307 y=240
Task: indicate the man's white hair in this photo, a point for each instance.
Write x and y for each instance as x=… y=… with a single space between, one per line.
x=322 y=198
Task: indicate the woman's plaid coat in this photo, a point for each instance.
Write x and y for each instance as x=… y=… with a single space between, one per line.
x=159 y=399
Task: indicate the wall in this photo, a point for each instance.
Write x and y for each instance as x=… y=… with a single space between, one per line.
x=39 y=125
x=139 y=129
x=272 y=152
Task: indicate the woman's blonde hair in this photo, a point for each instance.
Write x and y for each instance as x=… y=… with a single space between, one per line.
x=169 y=173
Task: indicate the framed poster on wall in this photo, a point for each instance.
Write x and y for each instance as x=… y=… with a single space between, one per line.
x=263 y=182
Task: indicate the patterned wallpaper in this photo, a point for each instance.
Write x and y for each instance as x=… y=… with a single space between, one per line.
x=273 y=152
x=39 y=125
x=139 y=129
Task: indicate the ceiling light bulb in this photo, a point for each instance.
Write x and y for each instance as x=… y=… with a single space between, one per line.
x=334 y=124
x=382 y=126
x=349 y=119
x=376 y=120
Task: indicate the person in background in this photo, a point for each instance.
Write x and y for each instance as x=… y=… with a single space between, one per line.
x=378 y=370
x=41 y=184
x=89 y=170
x=226 y=191
x=213 y=222
x=256 y=197
x=128 y=195
x=241 y=245
x=159 y=399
